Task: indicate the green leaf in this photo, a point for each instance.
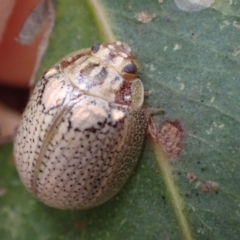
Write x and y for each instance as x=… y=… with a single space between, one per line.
x=190 y=68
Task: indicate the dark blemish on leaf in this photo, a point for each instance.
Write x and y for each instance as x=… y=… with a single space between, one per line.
x=209 y=186
x=169 y=136
x=191 y=177
x=144 y=16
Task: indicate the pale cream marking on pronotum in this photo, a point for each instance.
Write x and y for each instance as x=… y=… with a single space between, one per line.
x=124 y=55
x=111 y=47
x=53 y=94
x=51 y=72
x=95 y=71
x=106 y=91
x=104 y=52
x=118 y=61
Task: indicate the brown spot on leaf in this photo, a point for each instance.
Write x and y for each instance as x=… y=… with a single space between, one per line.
x=170 y=137
x=144 y=16
x=209 y=186
x=191 y=177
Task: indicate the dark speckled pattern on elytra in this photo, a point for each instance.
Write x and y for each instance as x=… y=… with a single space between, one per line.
x=75 y=150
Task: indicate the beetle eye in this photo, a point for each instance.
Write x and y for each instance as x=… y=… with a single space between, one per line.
x=95 y=48
x=130 y=68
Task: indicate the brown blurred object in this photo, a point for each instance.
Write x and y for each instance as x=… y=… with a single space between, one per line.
x=14 y=98
x=18 y=62
x=12 y=103
x=25 y=27
x=9 y=120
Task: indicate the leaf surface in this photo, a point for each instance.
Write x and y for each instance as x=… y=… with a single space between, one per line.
x=190 y=68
